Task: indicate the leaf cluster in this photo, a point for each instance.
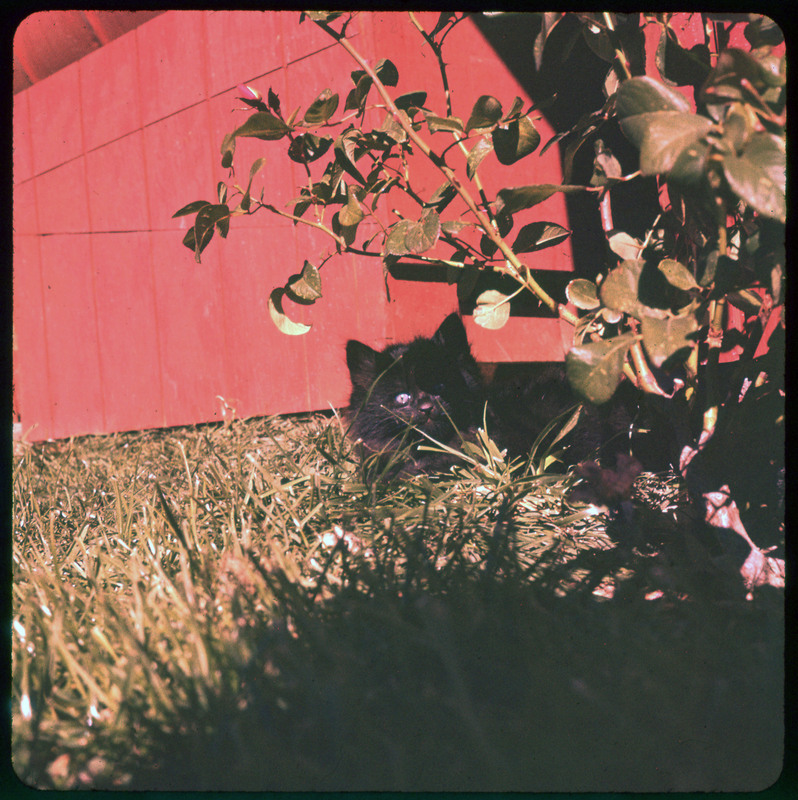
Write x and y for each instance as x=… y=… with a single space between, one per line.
x=656 y=303
x=720 y=165
x=351 y=166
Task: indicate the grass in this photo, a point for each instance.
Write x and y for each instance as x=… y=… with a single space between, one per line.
x=235 y=607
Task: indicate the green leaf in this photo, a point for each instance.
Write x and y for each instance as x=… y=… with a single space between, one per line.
x=454 y=226
x=662 y=338
x=436 y=124
x=518 y=139
x=257 y=166
x=357 y=96
x=321 y=109
x=583 y=294
x=190 y=241
x=191 y=208
x=643 y=95
x=380 y=187
x=283 y=323
x=208 y=218
x=504 y=223
x=763 y=31
x=344 y=148
x=550 y=19
x=478 y=152
x=443 y=195
x=345 y=222
x=351 y=214
x=625 y=246
x=605 y=166
x=492 y=310
x=679 y=66
x=619 y=290
x=273 y=100
x=308 y=147
x=758 y=175
x=514 y=111
x=305 y=287
x=395 y=241
x=691 y=165
x=518 y=198
x=662 y=136
x=410 y=100
x=487 y=111
x=300 y=208
x=677 y=274
x=408 y=236
x=539 y=235
x=599 y=42
x=263 y=125
x=732 y=67
x=391 y=127
x=387 y=72
x=423 y=235
x=228 y=149
x=595 y=369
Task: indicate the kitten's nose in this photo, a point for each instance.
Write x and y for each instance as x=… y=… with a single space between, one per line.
x=425 y=405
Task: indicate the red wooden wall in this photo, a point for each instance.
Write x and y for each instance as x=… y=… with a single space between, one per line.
x=115 y=326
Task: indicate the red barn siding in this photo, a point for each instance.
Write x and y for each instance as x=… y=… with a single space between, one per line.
x=115 y=325
x=45 y=43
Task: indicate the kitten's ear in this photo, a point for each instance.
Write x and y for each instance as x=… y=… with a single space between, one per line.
x=452 y=334
x=362 y=362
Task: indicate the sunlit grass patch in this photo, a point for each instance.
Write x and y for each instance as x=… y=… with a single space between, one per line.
x=237 y=607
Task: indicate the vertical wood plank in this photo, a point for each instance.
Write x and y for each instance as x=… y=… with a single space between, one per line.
x=244 y=46
x=56 y=132
x=109 y=101
x=21 y=141
x=268 y=371
x=170 y=74
x=189 y=315
x=117 y=186
x=31 y=364
x=61 y=199
x=69 y=308
x=128 y=345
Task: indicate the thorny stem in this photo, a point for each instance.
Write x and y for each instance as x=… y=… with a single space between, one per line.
x=340 y=241
x=619 y=53
x=482 y=218
x=318 y=225
x=437 y=50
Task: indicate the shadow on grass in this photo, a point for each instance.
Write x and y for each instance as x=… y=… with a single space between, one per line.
x=188 y=616
x=461 y=680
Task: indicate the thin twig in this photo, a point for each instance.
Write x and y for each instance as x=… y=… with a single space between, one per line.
x=440 y=164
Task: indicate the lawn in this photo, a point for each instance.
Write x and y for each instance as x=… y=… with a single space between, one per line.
x=238 y=606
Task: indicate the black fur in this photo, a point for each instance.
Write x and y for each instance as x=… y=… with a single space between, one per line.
x=433 y=386
x=427 y=386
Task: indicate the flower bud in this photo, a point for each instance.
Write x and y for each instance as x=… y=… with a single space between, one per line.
x=248 y=93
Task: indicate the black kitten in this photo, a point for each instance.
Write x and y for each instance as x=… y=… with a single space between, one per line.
x=434 y=387
x=427 y=386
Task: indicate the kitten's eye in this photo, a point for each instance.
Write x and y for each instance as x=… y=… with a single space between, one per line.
x=402 y=399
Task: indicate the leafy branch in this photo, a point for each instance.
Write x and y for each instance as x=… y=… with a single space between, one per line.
x=663 y=301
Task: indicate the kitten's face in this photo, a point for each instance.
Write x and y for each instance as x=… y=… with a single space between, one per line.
x=430 y=384
x=416 y=385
